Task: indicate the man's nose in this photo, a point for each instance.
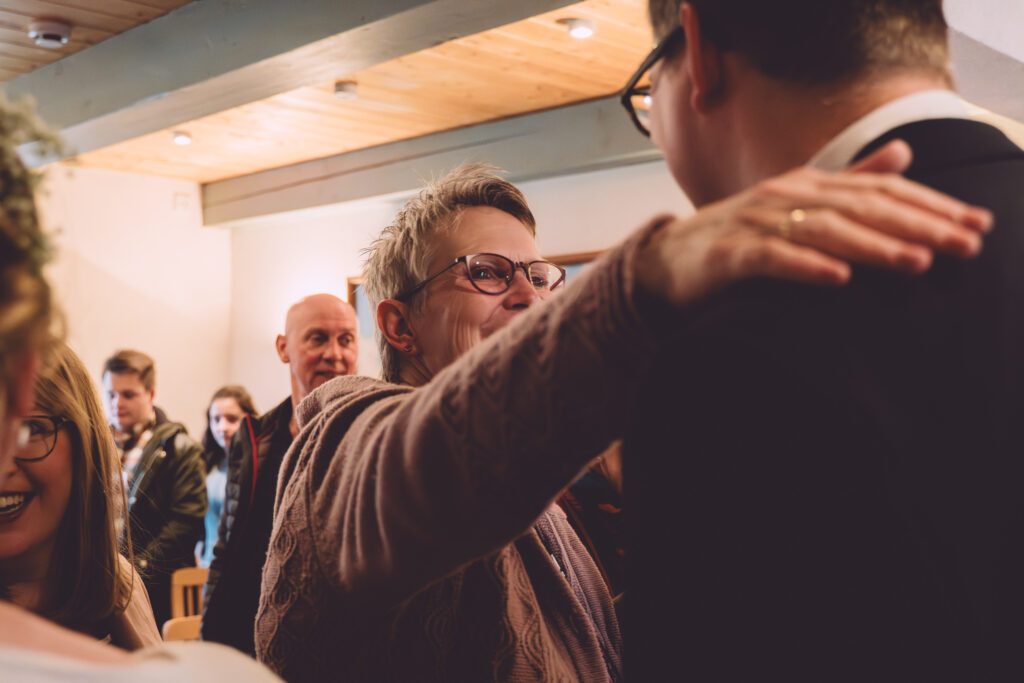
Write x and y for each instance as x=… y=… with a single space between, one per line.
x=333 y=351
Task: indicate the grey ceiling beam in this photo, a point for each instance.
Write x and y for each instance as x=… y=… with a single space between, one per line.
x=583 y=137
x=213 y=55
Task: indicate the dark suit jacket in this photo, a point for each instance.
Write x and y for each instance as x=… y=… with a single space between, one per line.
x=166 y=506
x=828 y=484
x=236 y=571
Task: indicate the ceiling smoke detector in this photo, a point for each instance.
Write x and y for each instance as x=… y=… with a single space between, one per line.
x=346 y=90
x=50 y=34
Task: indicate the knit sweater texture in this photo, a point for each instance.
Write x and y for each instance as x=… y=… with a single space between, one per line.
x=415 y=537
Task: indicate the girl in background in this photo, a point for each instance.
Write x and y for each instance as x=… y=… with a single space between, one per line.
x=224 y=416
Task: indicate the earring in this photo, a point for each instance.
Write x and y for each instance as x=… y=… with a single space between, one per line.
x=409 y=348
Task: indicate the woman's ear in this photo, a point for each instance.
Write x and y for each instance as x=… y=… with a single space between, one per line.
x=704 y=60
x=393 y=322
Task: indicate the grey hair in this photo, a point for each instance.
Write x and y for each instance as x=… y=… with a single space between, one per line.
x=398 y=259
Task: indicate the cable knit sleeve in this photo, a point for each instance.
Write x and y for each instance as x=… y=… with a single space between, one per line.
x=402 y=486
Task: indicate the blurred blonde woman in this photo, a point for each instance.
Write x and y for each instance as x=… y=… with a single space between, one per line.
x=60 y=511
x=33 y=649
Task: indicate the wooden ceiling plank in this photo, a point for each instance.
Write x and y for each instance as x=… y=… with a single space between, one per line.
x=372 y=102
x=608 y=46
x=516 y=76
x=19 y=64
x=19 y=42
x=513 y=79
x=33 y=9
x=108 y=9
x=85 y=30
x=162 y=6
x=355 y=127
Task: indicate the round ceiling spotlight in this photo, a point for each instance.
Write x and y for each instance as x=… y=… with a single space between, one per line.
x=580 y=29
x=346 y=90
x=50 y=34
x=182 y=138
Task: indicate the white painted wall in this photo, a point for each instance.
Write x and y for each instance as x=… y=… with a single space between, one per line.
x=279 y=259
x=591 y=211
x=136 y=268
x=996 y=23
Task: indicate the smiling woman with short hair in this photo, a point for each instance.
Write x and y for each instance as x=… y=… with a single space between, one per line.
x=415 y=536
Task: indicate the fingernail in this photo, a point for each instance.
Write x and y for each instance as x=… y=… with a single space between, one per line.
x=915 y=260
x=982 y=219
x=964 y=243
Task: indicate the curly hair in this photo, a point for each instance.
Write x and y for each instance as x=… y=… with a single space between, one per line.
x=26 y=309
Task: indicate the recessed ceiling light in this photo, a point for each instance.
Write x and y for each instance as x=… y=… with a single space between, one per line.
x=346 y=90
x=580 y=29
x=50 y=34
x=182 y=138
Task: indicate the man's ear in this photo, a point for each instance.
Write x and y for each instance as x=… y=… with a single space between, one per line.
x=393 y=323
x=703 y=59
x=281 y=344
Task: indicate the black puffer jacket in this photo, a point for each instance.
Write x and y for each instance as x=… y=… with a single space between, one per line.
x=233 y=588
x=166 y=507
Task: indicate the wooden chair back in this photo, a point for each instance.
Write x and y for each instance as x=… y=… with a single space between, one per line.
x=187 y=591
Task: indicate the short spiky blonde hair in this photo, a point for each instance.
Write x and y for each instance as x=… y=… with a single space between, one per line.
x=398 y=259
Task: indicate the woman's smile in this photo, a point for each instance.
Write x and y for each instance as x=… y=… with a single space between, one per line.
x=13 y=504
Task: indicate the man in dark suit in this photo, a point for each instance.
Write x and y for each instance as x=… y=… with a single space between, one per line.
x=320 y=342
x=826 y=484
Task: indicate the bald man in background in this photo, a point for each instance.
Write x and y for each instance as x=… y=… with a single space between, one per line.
x=319 y=343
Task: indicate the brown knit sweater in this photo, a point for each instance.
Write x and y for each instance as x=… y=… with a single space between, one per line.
x=415 y=538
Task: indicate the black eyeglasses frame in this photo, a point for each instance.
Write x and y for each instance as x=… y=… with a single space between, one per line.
x=631 y=89
x=58 y=422
x=516 y=265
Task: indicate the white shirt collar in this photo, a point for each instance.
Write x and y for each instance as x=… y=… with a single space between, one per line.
x=920 y=106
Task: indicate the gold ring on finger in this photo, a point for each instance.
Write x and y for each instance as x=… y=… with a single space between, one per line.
x=795 y=217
